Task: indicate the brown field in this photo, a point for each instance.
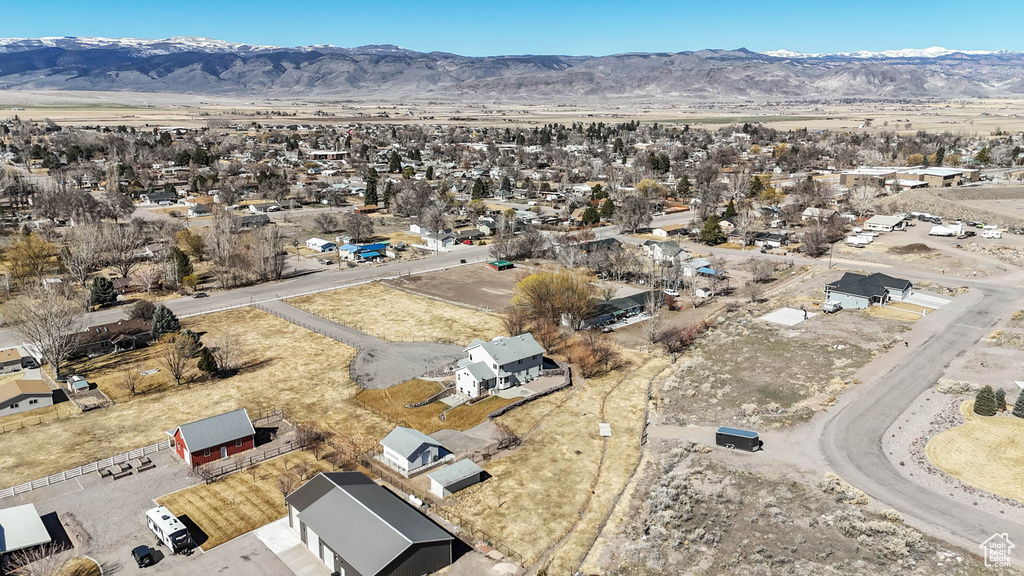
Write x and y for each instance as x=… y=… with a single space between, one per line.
x=476 y=285
x=426 y=419
x=393 y=315
x=284 y=366
x=237 y=504
x=562 y=505
x=985 y=452
x=38 y=416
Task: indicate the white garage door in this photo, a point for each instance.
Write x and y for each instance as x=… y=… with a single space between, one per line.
x=313 y=541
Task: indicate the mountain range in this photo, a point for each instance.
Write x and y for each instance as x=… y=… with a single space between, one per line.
x=206 y=66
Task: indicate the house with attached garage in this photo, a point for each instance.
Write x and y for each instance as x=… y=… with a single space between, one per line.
x=11 y=359
x=26 y=394
x=859 y=291
x=357 y=528
x=215 y=438
x=410 y=451
x=114 y=337
x=499 y=364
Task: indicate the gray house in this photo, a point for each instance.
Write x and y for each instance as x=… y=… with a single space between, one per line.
x=410 y=451
x=860 y=291
x=357 y=528
x=501 y=363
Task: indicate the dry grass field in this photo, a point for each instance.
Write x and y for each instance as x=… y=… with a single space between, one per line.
x=902 y=313
x=985 y=452
x=393 y=315
x=38 y=416
x=562 y=504
x=238 y=503
x=426 y=419
x=283 y=365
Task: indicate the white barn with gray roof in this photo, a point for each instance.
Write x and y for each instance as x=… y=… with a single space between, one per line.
x=410 y=451
x=499 y=364
x=357 y=528
x=450 y=479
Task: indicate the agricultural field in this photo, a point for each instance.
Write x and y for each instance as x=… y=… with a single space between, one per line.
x=393 y=315
x=242 y=501
x=282 y=365
x=694 y=513
x=392 y=401
x=985 y=452
x=552 y=512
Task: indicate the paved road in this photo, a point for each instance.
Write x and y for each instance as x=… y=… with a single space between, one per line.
x=852 y=433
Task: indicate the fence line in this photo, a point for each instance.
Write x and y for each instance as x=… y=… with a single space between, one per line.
x=378 y=335
x=34 y=421
x=380 y=413
x=211 y=474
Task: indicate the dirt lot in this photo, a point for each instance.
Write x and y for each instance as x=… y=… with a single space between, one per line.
x=557 y=490
x=397 y=316
x=768 y=374
x=240 y=502
x=477 y=285
x=283 y=365
x=694 y=514
x=426 y=419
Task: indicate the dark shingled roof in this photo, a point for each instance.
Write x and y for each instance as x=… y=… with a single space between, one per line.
x=871 y=286
x=364 y=523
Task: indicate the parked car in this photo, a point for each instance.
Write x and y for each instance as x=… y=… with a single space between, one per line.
x=143 y=556
x=325 y=261
x=200 y=295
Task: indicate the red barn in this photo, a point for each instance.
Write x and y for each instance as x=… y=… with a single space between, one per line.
x=214 y=438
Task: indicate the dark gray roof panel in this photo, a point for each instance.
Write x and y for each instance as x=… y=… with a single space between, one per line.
x=216 y=430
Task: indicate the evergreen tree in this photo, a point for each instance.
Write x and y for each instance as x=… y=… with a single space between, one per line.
x=479 y=189
x=985 y=402
x=506 y=184
x=395 y=163
x=388 y=192
x=164 y=322
x=370 y=196
x=1000 y=400
x=194 y=342
x=730 y=210
x=684 y=186
x=940 y=155
x=207 y=363
x=590 y=216
x=181 y=262
x=618 y=147
x=756 y=187
x=712 y=234
x=607 y=209
x=430 y=173
x=1018 y=406
x=102 y=292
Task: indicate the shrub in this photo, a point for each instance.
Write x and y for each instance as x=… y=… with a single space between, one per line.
x=1018 y=406
x=207 y=363
x=985 y=402
x=143 y=309
x=1000 y=400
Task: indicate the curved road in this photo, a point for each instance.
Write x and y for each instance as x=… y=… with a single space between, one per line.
x=851 y=439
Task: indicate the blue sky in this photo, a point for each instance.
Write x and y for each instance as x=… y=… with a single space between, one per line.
x=595 y=27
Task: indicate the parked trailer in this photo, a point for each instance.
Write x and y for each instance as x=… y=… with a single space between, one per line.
x=739 y=439
x=169 y=530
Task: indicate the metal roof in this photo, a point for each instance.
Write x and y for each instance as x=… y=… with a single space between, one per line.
x=737 y=432
x=406 y=441
x=510 y=349
x=455 y=473
x=216 y=430
x=364 y=523
x=21 y=527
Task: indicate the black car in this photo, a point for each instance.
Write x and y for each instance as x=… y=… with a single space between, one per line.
x=143 y=556
x=200 y=295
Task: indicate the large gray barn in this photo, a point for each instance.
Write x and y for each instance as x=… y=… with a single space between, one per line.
x=358 y=528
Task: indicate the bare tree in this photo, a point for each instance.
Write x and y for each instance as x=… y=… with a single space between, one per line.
x=122 y=242
x=50 y=319
x=131 y=378
x=50 y=559
x=607 y=290
x=505 y=436
x=653 y=325
x=311 y=437
x=221 y=243
x=301 y=468
x=286 y=483
x=266 y=254
x=83 y=252
x=717 y=279
x=147 y=276
x=761 y=269
x=178 y=351
x=358 y=226
x=325 y=222
x=633 y=213
x=516 y=319
x=226 y=349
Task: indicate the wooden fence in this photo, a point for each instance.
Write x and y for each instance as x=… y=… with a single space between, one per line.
x=212 y=473
x=380 y=413
x=27 y=420
x=85 y=469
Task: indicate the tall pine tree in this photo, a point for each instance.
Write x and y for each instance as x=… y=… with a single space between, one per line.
x=1018 y=406
x=102 y=292
x=164 y=322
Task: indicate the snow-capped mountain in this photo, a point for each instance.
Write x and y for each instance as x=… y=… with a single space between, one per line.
x=209 y=66
x=933 y=52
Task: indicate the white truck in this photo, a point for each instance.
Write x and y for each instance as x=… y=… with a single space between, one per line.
x=991 y=234
x=169 y=530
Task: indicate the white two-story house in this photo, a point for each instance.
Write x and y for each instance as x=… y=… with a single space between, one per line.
x=499 y=364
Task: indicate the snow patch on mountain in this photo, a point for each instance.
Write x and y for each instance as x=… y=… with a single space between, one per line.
x=932 y=52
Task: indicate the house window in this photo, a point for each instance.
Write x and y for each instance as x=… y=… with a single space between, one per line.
x=14 y=405
x=33 y=401
x=238 y=443
x=206 y=452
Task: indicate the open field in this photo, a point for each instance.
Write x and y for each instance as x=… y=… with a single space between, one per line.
x=699 y=511
x=38 y=416
x=148 y=109
x=393 y=315
x=426 y=419
x=283 y=365
x=556 y=490
x=985 y=452
x=238 y=503
x=476 y=285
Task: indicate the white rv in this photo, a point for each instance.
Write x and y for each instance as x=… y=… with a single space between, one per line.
x=169 y=530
